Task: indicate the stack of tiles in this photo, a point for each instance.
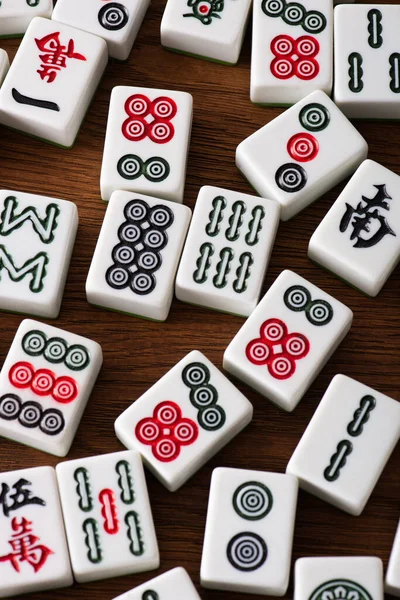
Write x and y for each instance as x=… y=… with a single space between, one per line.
x=355 y=430
x=211 y=29
x=392 y=579
x=147 y=141
x=107 y=515
x=301 y=154
x=173 y=585
x=287 y=339
x=292 y=50
x=4 y=65
x=15 y=15
x=137 y=254
x=359 y=238
x=249 y=532
x=33 y=548
x=37 y=235
x=227 y=250
x=184 y=419
x=42 y=406
x=116 y=22
x=367 y=61
x=52 y=80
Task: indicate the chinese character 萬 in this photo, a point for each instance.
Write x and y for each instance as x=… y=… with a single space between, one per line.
x=25 y=547
x=54 y=57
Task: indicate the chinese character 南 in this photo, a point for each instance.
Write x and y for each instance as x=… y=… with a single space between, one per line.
x=368 y=218
x=17 y=496
x=25 y=547
x=54 y=57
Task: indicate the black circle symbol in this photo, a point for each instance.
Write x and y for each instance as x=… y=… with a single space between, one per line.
x=273 y=8
x=10 y=406
x=34 y=342
x=320 y=312
x=252 y=500
x=77 y=357
x=291 y=178
x=202 y=396
x=136 y=210
x=343 y=588
x=143 y=283
x=113 y=16
x=30 y=415
x=314 y=22
x=155 y=239
x=156 y=169
x=150 y=595
x=123 y=254
x=297 y=298
x=314 y=117
x=52 y=422
x=56 y=349
x=247 y=551
x=195 y=374
x=161 y=216
x=149 y=260
x=129 y=233
x=130 y=166
x=211 y=418
x=117 y=277
x=294 y=13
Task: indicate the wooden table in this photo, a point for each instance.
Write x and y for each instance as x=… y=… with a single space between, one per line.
x=137 y=352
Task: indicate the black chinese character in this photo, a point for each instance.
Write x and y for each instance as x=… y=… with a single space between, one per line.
x=19 y=497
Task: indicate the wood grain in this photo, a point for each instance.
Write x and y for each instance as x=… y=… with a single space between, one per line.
x=137 y=352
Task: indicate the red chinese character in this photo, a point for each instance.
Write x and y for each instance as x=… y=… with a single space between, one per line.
x=25 y=547
x=55 y=55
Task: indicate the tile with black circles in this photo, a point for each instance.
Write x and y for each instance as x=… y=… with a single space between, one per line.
x=287 y=339
x=249 y=532
x=33 y=546
x=45 y=384
x=172 y=585
x=184 y=419
x=137 y=254
x=15 y=15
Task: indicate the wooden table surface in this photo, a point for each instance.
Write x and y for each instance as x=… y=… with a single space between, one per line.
x=137 y=352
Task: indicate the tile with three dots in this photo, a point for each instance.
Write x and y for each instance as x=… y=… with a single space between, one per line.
x=15 y=15
x=172 y=585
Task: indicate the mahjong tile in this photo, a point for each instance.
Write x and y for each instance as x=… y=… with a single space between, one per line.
x=211 y=29
x=347 y=443
x=15 y=15
x=301 y=154
x=116 y=22
x=147 y=141
x=359 y=238
x=45 y=383
x=37 y=235
x=107 y=515
x=52 y=80
x=33 y=547
x=184 y=419
x=172 y=585
x=292 y=50
x=249 y=532
x=227 y=250
x=4 y=64
x=392 y=578
x=287 y=339
x=137 y=254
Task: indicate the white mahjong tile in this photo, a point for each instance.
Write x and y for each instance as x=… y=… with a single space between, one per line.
x=359 y=238
x=147 y=141
x=301 y=154
x=45 y=383
x=249 y=532
x=172 y=585
x=107 y=515
x=347 y=444
x=116 y=22
x=52 y=80
x=339 y=578
x=33 y=547
x=184 y=419
x=227 y=250
x=15 y=15
x=211 y=29
x=4 y=65
x=392 y=578
x=287 y=340
x=37 y=235
x=137 y=254
x=367 y=61
x=292 y=50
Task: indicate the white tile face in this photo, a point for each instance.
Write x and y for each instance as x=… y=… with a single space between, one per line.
x=392 y=579
x=51 y=81
x=137 y=254
x=116 y=22
x=287 y=339
x=343 y=577
x=184 y=419
x=147 y=141
x=347 y=444
x=301 y=154
x=107 y=515
x=359 y=238
x=172 y=585
x=37 y=235
x=45 y=384
x=211 y=29
x=4 y=64
x=249 y=532
x=227 y=250
x=367 y=61
x=15 y=15
x=292 y=50
x=33 y=548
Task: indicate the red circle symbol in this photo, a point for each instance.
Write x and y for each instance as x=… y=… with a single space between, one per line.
x=294 y=57
x=65 y=390
x=303 y=147
x=21 y=374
